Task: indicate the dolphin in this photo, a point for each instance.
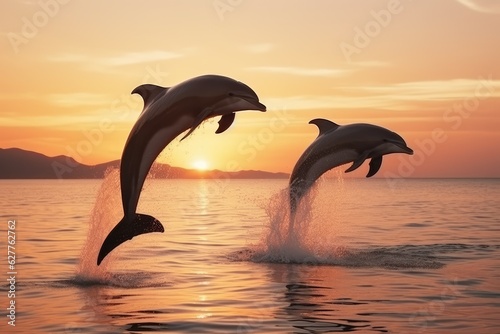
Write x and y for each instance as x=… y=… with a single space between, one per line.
x=168 y=112
x=337 y=145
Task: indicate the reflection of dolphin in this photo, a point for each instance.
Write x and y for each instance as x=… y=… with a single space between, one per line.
x=337 y=145
x=167 y=113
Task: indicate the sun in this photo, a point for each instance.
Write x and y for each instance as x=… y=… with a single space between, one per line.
x=200 y=165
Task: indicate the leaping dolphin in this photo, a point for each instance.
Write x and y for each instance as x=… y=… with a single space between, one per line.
x=167 y=113
x=337 y=145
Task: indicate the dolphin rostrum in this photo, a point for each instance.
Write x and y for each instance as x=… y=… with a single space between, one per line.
x=167 y=113
x=337 y=145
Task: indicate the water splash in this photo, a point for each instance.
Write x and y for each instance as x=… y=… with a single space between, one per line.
x=125 y=279
x=287 y=239
x=312 y=238
x=106 y=213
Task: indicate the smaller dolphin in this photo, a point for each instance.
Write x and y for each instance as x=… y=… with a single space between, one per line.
x=168 y=112
x=337 y=145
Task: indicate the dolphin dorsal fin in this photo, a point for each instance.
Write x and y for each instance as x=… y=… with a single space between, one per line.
x=149 y=93
x=324 y=125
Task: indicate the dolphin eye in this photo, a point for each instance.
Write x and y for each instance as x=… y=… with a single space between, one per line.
x=231 y=94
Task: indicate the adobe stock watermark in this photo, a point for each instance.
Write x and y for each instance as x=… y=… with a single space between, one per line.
x=92 y=138
x=453 y=117
x=222 y=7
x=86 y=317
x=252 y=324
x=422 y=318
x=363 y=36
x=248 y=149
x=31 y=26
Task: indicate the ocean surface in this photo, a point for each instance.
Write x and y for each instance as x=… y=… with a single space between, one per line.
x=364 y=255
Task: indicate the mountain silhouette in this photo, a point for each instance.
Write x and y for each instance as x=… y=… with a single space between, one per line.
x=16 y=163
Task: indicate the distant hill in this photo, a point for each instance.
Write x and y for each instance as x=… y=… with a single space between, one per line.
x=16 y=163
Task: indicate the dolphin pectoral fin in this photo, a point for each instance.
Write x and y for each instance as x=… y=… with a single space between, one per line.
x=375 y=164
x=126 y=229
x=225 y=122
x=199 y=119
x=358 y=162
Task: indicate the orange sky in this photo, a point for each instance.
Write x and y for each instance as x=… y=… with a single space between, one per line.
x=426 y=69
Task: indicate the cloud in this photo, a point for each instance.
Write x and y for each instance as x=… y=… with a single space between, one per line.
x=316 y=102
x=65 y=100
x=442 y=90
x=398 y=96
x=259 y=48
x=128 y=58
x=301 y=71
x=17 y=96
x=483 y=6
x=78 y=99
x=370 y=63
x=69 y=58
x=42 y=121
x=139 y=57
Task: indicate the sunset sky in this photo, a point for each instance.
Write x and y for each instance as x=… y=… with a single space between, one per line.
x=426 y=69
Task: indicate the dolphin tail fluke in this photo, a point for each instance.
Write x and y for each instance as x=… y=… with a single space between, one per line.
x=126 y=229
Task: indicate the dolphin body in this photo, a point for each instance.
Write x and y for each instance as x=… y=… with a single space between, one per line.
x=337 y=145
x=167 y=113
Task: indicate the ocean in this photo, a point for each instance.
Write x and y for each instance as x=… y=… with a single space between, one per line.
x=364 y=255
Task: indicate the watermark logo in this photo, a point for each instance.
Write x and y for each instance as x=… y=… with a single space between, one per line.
x=31 y=26
x=364 y=35
x=222 y=7
x=94 y=137
x=453 y=118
